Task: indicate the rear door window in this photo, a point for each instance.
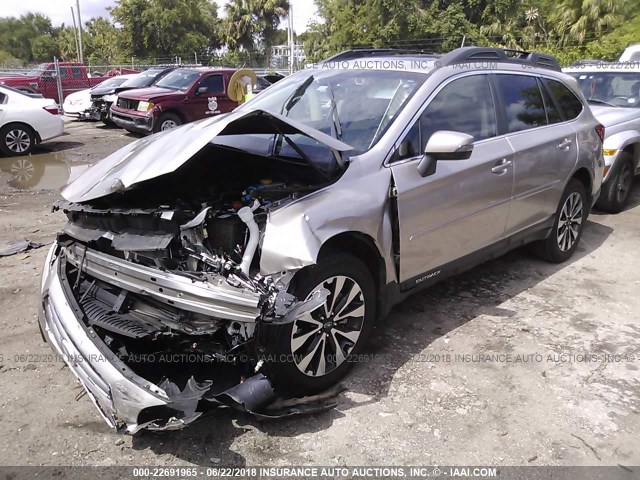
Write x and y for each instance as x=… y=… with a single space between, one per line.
x=522 y=99
x=553 y=114
x=570 y=105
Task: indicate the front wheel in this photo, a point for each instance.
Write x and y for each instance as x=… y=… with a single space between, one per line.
x=17 y=140
x=615 y=191
x=166 y=121
x=316 y=350
x=570 y=219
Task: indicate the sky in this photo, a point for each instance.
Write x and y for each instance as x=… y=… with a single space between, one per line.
x=59 y=11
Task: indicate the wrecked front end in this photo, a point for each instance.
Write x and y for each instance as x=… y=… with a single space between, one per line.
x=153 y=295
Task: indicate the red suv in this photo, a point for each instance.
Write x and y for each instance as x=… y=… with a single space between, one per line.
x=183 y=96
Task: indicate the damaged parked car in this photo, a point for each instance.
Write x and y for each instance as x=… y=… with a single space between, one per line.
x=249 y=255
x=105 y=95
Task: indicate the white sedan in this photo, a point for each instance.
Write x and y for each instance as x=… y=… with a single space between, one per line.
x=26 y=121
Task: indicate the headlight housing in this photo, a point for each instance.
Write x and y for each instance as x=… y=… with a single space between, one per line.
x=145 y=106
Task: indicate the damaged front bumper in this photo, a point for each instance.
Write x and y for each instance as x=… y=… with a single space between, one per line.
x=117 y=392
x=127 y=401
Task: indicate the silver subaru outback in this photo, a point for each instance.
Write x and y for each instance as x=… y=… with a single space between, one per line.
x=249 y=255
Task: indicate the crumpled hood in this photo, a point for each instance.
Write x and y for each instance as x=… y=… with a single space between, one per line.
x=609 y=116
x=165 y=152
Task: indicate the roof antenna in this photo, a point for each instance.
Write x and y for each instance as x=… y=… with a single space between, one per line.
x=464 y=37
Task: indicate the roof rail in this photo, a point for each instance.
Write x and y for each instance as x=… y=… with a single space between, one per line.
x=503 y=55
x=361 y=52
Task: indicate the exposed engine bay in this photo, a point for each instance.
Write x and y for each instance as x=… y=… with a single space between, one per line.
x=166 y=274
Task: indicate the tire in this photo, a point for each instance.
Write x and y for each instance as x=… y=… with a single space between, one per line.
x=166 y=121
x=293 y=353
x=568 y=226
x=615 y=191
x=17 y=139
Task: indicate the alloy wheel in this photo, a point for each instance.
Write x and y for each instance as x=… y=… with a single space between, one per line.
x=625 y=179
x=168 y=125
x=321 y=340
x=570 y=221
x=17 y=140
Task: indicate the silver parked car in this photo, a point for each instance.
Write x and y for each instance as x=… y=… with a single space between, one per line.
x=252 y=253
x=613 y=93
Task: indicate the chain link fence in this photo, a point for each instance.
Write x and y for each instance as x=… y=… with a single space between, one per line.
x=58 y=79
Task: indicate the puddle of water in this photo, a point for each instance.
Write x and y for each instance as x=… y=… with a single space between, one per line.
x=45 y=170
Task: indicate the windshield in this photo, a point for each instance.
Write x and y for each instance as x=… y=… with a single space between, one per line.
x=143 y=79
x=616 y=89
x=180 y=79
x=112 y=82
x=354 y=106
x=37 y=71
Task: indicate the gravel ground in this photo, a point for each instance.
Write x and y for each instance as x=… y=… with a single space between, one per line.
x=516 y=362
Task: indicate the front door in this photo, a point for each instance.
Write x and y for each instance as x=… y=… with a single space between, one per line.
x=463 y=207
x=211 y=102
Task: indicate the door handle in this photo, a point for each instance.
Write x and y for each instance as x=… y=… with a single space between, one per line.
x=564 y=144
x=501 y=166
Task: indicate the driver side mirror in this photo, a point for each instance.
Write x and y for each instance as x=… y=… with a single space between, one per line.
x=444 y=145
x=201 y=90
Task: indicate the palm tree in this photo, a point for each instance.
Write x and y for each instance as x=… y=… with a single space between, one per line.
x=238 y=25
x=248 y=22
x=578 y=21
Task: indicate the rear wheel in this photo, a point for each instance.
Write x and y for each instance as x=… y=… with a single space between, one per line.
x=17 y=139
x=615 y=191
x=317 y=349
x=166 y=121
x=570 y=219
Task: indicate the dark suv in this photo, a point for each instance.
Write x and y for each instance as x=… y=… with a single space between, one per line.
x=183 y=96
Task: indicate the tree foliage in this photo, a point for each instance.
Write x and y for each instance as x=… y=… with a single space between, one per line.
x=568 y=28
x=167 y=27
x=161 y=29
x=250 y=24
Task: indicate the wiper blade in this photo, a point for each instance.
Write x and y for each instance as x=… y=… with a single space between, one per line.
x=297 y=95
x=336 y=126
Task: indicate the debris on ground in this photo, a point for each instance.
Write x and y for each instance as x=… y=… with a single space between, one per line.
x=12 y=247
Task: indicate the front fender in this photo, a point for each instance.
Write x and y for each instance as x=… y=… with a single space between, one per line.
x=618 y=142
x=357 y=202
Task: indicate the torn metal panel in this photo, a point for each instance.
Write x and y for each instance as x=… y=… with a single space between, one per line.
x=288 y=308
x=186 y=400
x=250 y=395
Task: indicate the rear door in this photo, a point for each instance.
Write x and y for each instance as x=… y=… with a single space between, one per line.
x=545 y=149
x=463 y=207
